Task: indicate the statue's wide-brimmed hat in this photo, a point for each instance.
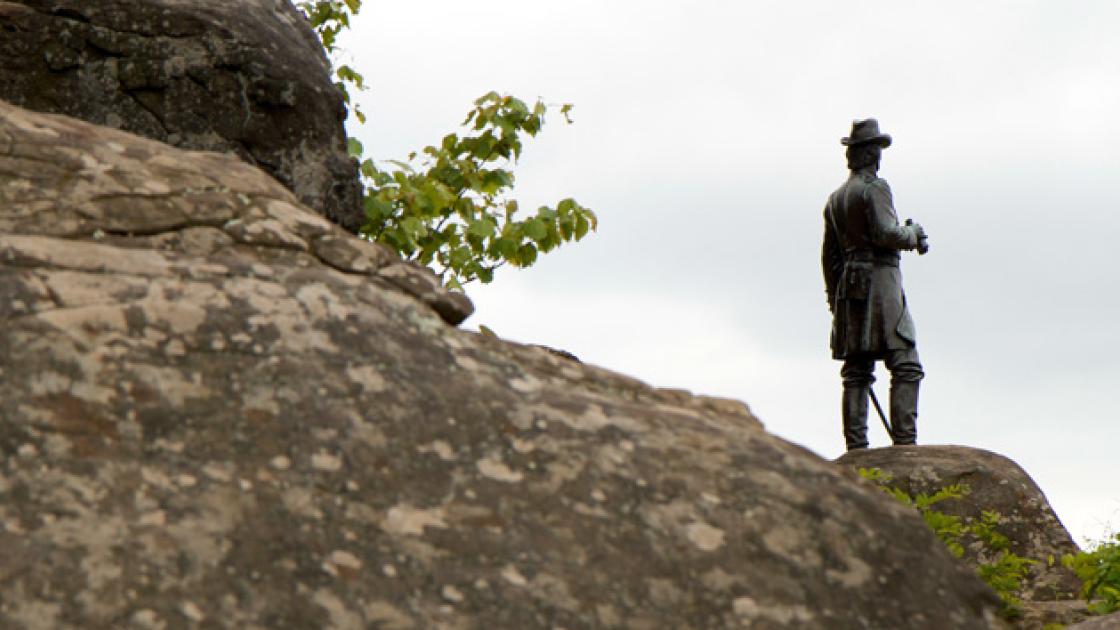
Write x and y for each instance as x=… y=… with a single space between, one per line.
x=866 y=132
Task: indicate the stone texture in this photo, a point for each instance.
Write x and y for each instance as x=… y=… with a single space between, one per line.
x=997 y=484
x=217 y=414
x=247 y=77
x=1107 y=622
x=1047 y=615
x=423 y=283
x=64 y=179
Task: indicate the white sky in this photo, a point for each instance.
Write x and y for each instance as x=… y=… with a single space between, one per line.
x=707 y=139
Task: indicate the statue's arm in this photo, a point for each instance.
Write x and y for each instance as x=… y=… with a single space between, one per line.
x=885 y=230
x=832 y=259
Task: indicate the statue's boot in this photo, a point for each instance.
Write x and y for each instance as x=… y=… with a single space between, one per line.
x=904 y=412
x=854 y=412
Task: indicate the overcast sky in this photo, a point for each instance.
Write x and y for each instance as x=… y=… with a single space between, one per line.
x=707 y=140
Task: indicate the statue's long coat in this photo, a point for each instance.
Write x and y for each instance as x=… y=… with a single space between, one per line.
x=860 y=256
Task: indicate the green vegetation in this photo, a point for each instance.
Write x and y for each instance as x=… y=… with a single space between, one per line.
x=1098 y=568
x=1002 y=569
x=1099 y=571
x=997 y=565
x=448 y=205
x=329 y=18
x=452 y=211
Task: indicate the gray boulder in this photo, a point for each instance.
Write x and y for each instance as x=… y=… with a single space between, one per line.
x=997 y=484
x=221 y=411
x=246 y=77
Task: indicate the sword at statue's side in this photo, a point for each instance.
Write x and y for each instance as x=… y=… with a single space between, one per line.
x=875 y=400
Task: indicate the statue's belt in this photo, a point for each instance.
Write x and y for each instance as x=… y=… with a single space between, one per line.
x=887 y=259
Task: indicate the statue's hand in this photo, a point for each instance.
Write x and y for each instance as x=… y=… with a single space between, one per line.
x=920 y=236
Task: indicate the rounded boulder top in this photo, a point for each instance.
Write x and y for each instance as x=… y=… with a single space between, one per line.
x=248 y=78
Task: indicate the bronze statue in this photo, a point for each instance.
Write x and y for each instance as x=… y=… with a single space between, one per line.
x=870 y=321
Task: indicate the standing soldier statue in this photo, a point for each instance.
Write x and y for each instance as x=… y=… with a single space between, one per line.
x=870 y=322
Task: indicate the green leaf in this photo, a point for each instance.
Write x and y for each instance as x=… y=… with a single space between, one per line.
x=507 y=126
x=494 y=181
x=526 y=255
x=591 y=217
x=551 y=240
x=567 y=228
x=582 y=226
x=413 y=226
x=368 y=168
x=354 y=147
x=489 y=97
x=377 y=207
x=483 y=228
x=438 y=196
x=348 y=75
x=482 y=147
x=536 y=229
x=506 y=248
x=517 y=106
x=460 y=256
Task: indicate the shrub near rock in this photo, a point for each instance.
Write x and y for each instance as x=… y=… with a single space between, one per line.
x=996 y=484
x=1099 y=570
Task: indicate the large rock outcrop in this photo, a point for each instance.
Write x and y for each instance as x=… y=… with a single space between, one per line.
x=247 y=77
x=219 y=411
x=996 y=483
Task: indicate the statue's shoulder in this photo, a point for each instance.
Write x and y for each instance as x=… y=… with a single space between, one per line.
x=874 y=181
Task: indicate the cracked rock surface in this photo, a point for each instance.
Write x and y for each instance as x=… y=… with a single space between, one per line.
x=246 y=77
x=217 y=412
